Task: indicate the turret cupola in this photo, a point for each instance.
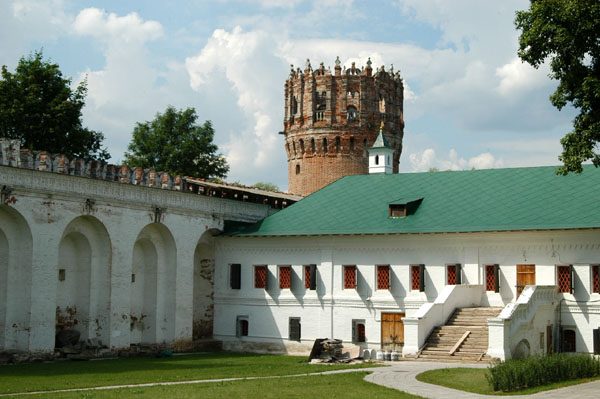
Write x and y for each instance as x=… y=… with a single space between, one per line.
x=381 y=155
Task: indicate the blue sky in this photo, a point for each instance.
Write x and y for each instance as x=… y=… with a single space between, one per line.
x=470 y=102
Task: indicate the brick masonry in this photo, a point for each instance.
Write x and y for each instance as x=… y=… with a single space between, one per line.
x=331 y=119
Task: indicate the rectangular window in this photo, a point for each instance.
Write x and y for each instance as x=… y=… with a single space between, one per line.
x=310 y=277
x=61 y=274
x=349 y=277
x=397 y=211
x=285 y=277
x=596 y=341
x=358 y=331
x=242 y=326
x=564 y=277
x=260 y=276
x=453 y=276
x=492 y=278
x=235 y=276
x=417 y=277
x=383 y=277
x=295 y=331
x=569 y=341
x=596 y=279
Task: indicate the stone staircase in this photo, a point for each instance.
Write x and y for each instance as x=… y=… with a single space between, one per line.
x=464 y=338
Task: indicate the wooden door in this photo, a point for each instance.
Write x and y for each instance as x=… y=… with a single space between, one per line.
x=392 y=331
x=525 y=276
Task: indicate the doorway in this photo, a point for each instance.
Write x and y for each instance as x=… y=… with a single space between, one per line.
x=392 y=331
x=525 y=276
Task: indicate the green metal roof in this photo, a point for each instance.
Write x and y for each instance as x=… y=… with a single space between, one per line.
x=477 y=200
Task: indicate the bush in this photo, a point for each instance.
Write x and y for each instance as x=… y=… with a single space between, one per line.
x=514 y=375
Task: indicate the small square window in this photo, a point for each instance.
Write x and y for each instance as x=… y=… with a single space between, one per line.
x=62 y=274
x=383 y=277
x=285 y=277
x=260 y=276
x=350 y=277
x=397 y=210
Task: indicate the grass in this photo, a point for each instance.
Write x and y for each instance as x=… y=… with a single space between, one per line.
x=350 y=385
x=72 y=374
x=474 y=380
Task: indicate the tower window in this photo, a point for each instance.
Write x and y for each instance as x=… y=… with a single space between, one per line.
x=294 y=144
x=312 y=146
x=302 y=146
x=298 y=169
x=338 y=144
x=324 y=145
x=351 y=113
x=352 y=144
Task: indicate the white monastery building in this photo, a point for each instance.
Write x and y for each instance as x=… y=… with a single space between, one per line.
x=477 y=264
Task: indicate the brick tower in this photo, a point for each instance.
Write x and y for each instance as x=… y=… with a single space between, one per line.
x=331 y=119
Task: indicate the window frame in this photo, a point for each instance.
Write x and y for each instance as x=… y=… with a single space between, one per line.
x=566 y=345
x=457 y=273
x=397 y=210
x=495 y=268
x=265 y=284
x=310 y=277
x=239 y=330
x=291 y=320
x=346 y=284
x=420 y=283
x=568 y=272
x=287 y=269
x=387 y=285
x=235 y=276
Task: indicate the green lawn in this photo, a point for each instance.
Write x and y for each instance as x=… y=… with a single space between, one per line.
x=73 y=374
x=473 y=380
x=350 y=385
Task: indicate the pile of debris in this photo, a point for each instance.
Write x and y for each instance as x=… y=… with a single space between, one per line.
x=68 y=346
x=327 y=350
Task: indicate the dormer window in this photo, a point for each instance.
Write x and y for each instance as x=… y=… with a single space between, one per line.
x=397 y=210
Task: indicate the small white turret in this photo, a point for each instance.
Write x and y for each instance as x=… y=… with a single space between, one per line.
x=381 y=156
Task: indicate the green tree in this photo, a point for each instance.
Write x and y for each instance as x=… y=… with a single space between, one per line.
x=566 y=32
x=38 y=107
x=174 y=143
x=266 y=186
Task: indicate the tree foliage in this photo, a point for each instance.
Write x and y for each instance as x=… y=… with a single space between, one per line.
x=38 y=107
x=174 y=143
x=266 y=186
x=567 y=33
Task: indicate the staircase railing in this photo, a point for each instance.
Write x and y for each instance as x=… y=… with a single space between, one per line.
x=516 y=321
x=430 y=315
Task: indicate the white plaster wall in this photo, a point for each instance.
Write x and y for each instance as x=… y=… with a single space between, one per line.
x=332 y=308
x=47 y=203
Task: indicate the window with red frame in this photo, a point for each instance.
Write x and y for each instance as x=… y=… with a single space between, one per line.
x=564 y=278
x=310 y=277
x=260 y=277
x=491 y=278
x=383 y=277
x=451 y=271
x=596 y=279
x=417 y=277
x=285 y=277
x=349 y=277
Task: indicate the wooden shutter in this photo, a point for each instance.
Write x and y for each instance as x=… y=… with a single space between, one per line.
x=422 y=278
x=572 y=282
x=458 y=274
x=313 y=277
x=235 y=276
x=496 y=278
x=294 y=330
x=597 y=341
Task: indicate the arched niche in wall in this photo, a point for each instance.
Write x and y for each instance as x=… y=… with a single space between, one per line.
x=204 y=269
x=83 y=279
x=15 y=280
x=152 y=299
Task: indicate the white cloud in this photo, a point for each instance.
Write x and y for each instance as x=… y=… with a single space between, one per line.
x=428 y=159
x=130 y=28
x=517 y=77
